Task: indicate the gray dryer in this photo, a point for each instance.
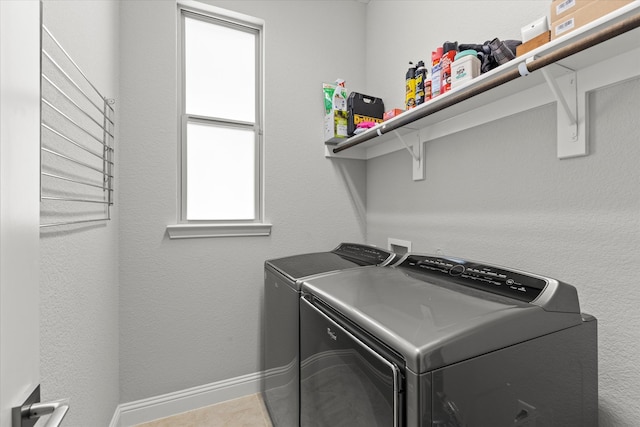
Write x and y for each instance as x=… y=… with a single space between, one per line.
x=283 y=278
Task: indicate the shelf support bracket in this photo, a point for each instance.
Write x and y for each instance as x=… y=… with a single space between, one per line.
x=569 y=111
x=572 y=141
x=417 y=153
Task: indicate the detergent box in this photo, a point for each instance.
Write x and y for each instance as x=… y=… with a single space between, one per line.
x=335 y=112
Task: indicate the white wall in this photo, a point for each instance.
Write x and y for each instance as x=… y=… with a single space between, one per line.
x=190 y=310
x=498 y=193
x=79 y=264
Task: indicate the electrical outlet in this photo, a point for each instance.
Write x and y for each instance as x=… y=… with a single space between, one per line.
x=398 y=246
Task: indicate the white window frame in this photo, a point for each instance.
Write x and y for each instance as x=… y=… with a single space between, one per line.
x=220 y=228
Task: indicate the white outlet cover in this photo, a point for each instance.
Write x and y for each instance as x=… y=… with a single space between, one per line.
x=395 y=244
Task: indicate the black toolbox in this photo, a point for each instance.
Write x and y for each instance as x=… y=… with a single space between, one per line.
x=363 y=108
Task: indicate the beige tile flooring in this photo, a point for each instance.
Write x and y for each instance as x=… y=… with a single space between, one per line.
x=247 y=411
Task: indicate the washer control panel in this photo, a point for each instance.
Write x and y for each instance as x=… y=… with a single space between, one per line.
x=485 y=277
x=367 y=255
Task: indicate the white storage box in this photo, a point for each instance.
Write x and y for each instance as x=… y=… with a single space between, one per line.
x=465 y=67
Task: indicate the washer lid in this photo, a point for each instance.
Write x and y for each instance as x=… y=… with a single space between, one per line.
x=430 y=321
x=346 y=255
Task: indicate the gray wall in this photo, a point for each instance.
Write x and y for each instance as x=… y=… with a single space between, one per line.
x=190 y=310
x=79 y=264
x=498 y=193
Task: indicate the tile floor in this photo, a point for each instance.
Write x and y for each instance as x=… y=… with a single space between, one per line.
x=247 y=411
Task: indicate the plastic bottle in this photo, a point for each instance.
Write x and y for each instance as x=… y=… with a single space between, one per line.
x=421 y=80
x=436 y=75
x=410 y=98
x=450 y=50
x=339 y=100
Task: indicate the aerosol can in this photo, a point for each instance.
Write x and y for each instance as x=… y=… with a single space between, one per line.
x=436 y=73
x=421 y=81
x=410 y=99
x=450 y=50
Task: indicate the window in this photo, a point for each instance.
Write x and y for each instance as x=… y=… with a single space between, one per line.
x=220 y=118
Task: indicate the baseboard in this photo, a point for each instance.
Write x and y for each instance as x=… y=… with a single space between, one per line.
x=142 y=411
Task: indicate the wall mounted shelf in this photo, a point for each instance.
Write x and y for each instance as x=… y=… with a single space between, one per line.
x=603 y=52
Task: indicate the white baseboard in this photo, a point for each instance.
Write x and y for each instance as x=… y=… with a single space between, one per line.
x=141 y=411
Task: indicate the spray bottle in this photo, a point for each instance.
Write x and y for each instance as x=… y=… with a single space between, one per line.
x=410 y=98
x=339 y=99
x=421 y=80
x=436 y=73
x=450 y=50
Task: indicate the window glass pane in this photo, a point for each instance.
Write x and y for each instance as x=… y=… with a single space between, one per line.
x=221 y=173
x=220 y=71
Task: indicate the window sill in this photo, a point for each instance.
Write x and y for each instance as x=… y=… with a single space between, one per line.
x=195 y=231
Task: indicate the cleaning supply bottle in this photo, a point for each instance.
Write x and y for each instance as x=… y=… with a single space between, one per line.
x=410 y=98
x=339 y=98
x=450 y=50
x=421 y=80
x=436 y=73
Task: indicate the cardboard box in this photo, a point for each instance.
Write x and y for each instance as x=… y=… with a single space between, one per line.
x=561 y=8
x=392 y=113
x=533 y=43
x=585 y=15
x=335 y=126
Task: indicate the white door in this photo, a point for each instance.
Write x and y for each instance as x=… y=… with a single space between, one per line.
x=19 y=202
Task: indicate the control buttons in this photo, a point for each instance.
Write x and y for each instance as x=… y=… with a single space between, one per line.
x=488 y=278
x=456 y=270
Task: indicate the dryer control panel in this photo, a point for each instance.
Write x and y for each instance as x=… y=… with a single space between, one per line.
x=489 y=278
x=365 y=254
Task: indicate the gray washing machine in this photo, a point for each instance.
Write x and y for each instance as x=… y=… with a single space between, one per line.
x=283 y=278
x=447 y=342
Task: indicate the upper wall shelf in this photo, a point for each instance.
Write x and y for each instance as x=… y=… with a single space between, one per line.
x=611 y=44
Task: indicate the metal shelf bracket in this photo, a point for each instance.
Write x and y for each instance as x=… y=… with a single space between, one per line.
x=571 y=112
x=417 y=153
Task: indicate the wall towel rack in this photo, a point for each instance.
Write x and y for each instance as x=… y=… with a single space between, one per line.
x=76 y=142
